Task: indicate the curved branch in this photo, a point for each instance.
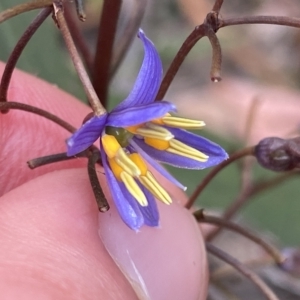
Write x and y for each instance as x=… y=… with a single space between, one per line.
x=24 y=7
x=79 y=39
x=273 y=20
x=77 y=62
x=269 y=294
x=198 y=33
x=38 y=111
x=215 y=71
x=243 y=198
x=273 y=251
x=128 y=33
x=104 y=49
x=235 y=156
x=93 y=158
x=217 y=6
x=17 y=51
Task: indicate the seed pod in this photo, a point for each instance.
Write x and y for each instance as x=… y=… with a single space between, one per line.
x=274 y=154
x=292 y=262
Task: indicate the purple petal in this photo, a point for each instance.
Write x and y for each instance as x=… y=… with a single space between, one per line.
x=86 y=135
x=150 y=212
x=184 y=162
x=149 y=78
x=128 y=209
x=198 y=142
x=156 y=165
x=139 y=114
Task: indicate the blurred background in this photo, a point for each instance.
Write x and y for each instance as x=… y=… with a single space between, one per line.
x=260 y=72
x=258 y=97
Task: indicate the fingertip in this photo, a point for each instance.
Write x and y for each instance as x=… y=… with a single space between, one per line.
x=49 y=242
x=25 y=135
x=168 y=262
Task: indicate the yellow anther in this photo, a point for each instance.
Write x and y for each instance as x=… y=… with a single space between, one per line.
x=134 y=189
x=134 y=128
x=110 y=145
x=126 y=163
x=159 y=121
x=182 y=149
x=116 y=169
x=155 y=188
x=155 y=131
x=157 y=144
x=138 y=160
x=182 y=122
x=113 y=150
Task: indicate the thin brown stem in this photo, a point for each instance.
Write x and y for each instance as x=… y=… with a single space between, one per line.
x=49 y=159
x=14 y=56
x=255 y=279
x=244 y=197
x=251 y=117
x=256 y=189
x=24 y=7
x=93 y=158
x=83 y=76
x=80 y=10
x=235 y=156
x=104 y=48
x=198 y=33
x=37 y=111
x=128 y=33
x=208 y=28
x=217 y=6
x=273 y=251
x=215 y=71
x=273 y=20
x=79 y=39
x=58 y=157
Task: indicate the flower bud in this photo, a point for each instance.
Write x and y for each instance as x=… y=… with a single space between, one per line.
x=274 y=154
x=292 y=262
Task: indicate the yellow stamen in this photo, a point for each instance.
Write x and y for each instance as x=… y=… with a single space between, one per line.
x=113 y=150
x=159 y=121
x=155 y=131
x=155 y=188
x=126 y=163
x=157 y=144
x=182 y=149
x=134 y=128
x=134 y=189
x=116 y=169
x=110 y=145
x=139 y=162
x=182 y=122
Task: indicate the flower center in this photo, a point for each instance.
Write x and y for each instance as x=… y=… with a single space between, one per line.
x=122 y=135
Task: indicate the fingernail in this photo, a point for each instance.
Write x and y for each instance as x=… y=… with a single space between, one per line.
x=162 y=263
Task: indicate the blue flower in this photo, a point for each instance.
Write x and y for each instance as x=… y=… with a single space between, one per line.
x=137 y=133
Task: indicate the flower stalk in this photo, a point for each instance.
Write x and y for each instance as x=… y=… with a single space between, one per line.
x=104 y=48
x=83 y=76
x=93 y=158
x=17 y=51
x=235 y=156
x=24 y=7
x=202 y=217
x=244 y=270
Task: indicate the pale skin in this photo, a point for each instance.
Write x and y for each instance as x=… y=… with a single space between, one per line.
x=50 y=247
